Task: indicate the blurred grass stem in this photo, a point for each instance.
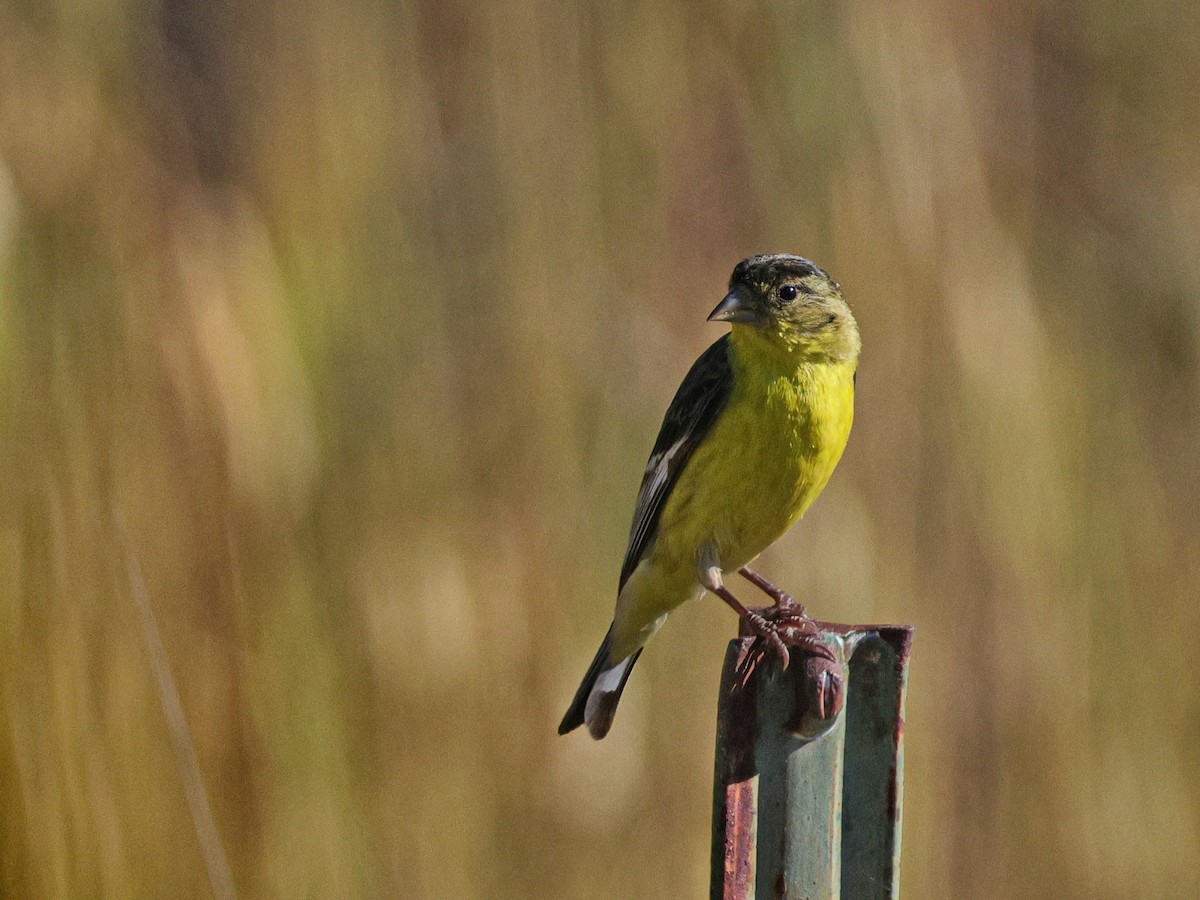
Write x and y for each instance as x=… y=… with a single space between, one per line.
x=220 y=876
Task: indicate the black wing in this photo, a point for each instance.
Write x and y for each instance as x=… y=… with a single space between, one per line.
x=698 y=402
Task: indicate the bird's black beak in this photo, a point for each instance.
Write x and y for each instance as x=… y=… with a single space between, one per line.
x=737 y=307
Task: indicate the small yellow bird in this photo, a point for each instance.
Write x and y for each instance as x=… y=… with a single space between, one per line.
x=750 y=440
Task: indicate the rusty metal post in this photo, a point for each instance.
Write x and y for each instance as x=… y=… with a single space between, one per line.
x=809 y=764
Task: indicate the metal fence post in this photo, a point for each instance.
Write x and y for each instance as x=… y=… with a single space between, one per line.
x=808 y=785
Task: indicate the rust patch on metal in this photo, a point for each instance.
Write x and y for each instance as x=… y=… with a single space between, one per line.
x=736 y=789
x=740 y=813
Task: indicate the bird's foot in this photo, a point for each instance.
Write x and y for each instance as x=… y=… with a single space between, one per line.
x=776 y=627
x=796 y=628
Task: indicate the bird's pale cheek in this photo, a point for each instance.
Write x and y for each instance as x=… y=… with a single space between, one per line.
x=814 y=320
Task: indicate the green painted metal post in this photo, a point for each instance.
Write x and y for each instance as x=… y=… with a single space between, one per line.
x=808 y=787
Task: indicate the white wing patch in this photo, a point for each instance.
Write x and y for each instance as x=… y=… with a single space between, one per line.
x=654 y=483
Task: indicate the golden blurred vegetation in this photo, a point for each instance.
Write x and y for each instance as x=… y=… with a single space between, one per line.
x=350 y=327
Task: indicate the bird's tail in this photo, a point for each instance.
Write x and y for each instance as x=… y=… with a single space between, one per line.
x=596 y=700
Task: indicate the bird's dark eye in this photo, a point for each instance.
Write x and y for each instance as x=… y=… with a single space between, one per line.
x=788 y=293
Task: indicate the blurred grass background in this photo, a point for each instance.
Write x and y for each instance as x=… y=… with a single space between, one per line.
x=364 y=316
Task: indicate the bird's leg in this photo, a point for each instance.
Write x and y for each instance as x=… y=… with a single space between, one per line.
x=783 y=600
x=710 y=577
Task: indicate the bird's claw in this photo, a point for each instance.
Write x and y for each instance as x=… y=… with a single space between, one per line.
x=814 y=645
x=769 y=633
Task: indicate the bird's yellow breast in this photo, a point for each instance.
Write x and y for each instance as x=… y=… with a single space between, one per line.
x=768 y=457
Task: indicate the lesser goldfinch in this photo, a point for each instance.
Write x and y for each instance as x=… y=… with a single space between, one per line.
x=750 y=440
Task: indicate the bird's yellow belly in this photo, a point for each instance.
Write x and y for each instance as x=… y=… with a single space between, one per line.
x=740 y=495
